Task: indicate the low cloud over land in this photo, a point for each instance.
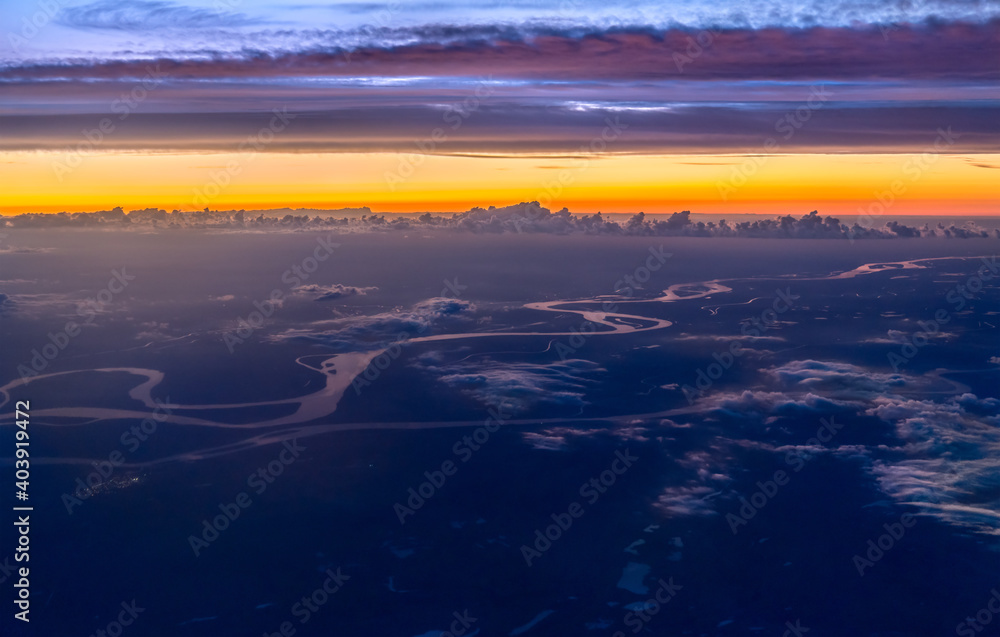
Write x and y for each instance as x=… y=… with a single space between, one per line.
x=528 y=217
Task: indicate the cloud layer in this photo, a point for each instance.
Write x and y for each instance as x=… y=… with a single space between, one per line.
x=518 y=387
x=147 y=15
x=939 y=458
x=334 y=291
x=529 y=217
x=378 y=331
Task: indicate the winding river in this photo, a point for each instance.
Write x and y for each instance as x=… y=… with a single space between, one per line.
x=339 y=371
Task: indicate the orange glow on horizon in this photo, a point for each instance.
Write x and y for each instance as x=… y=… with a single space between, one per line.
x=386 y=182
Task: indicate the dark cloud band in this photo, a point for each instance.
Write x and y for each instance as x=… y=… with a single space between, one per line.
x=906 y=51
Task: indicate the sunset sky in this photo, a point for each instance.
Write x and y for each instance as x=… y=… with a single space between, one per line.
x=713 y=107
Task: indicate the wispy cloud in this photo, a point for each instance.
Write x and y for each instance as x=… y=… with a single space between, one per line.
x=148 y=15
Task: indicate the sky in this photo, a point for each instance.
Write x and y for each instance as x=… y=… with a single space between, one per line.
x=713 y=107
